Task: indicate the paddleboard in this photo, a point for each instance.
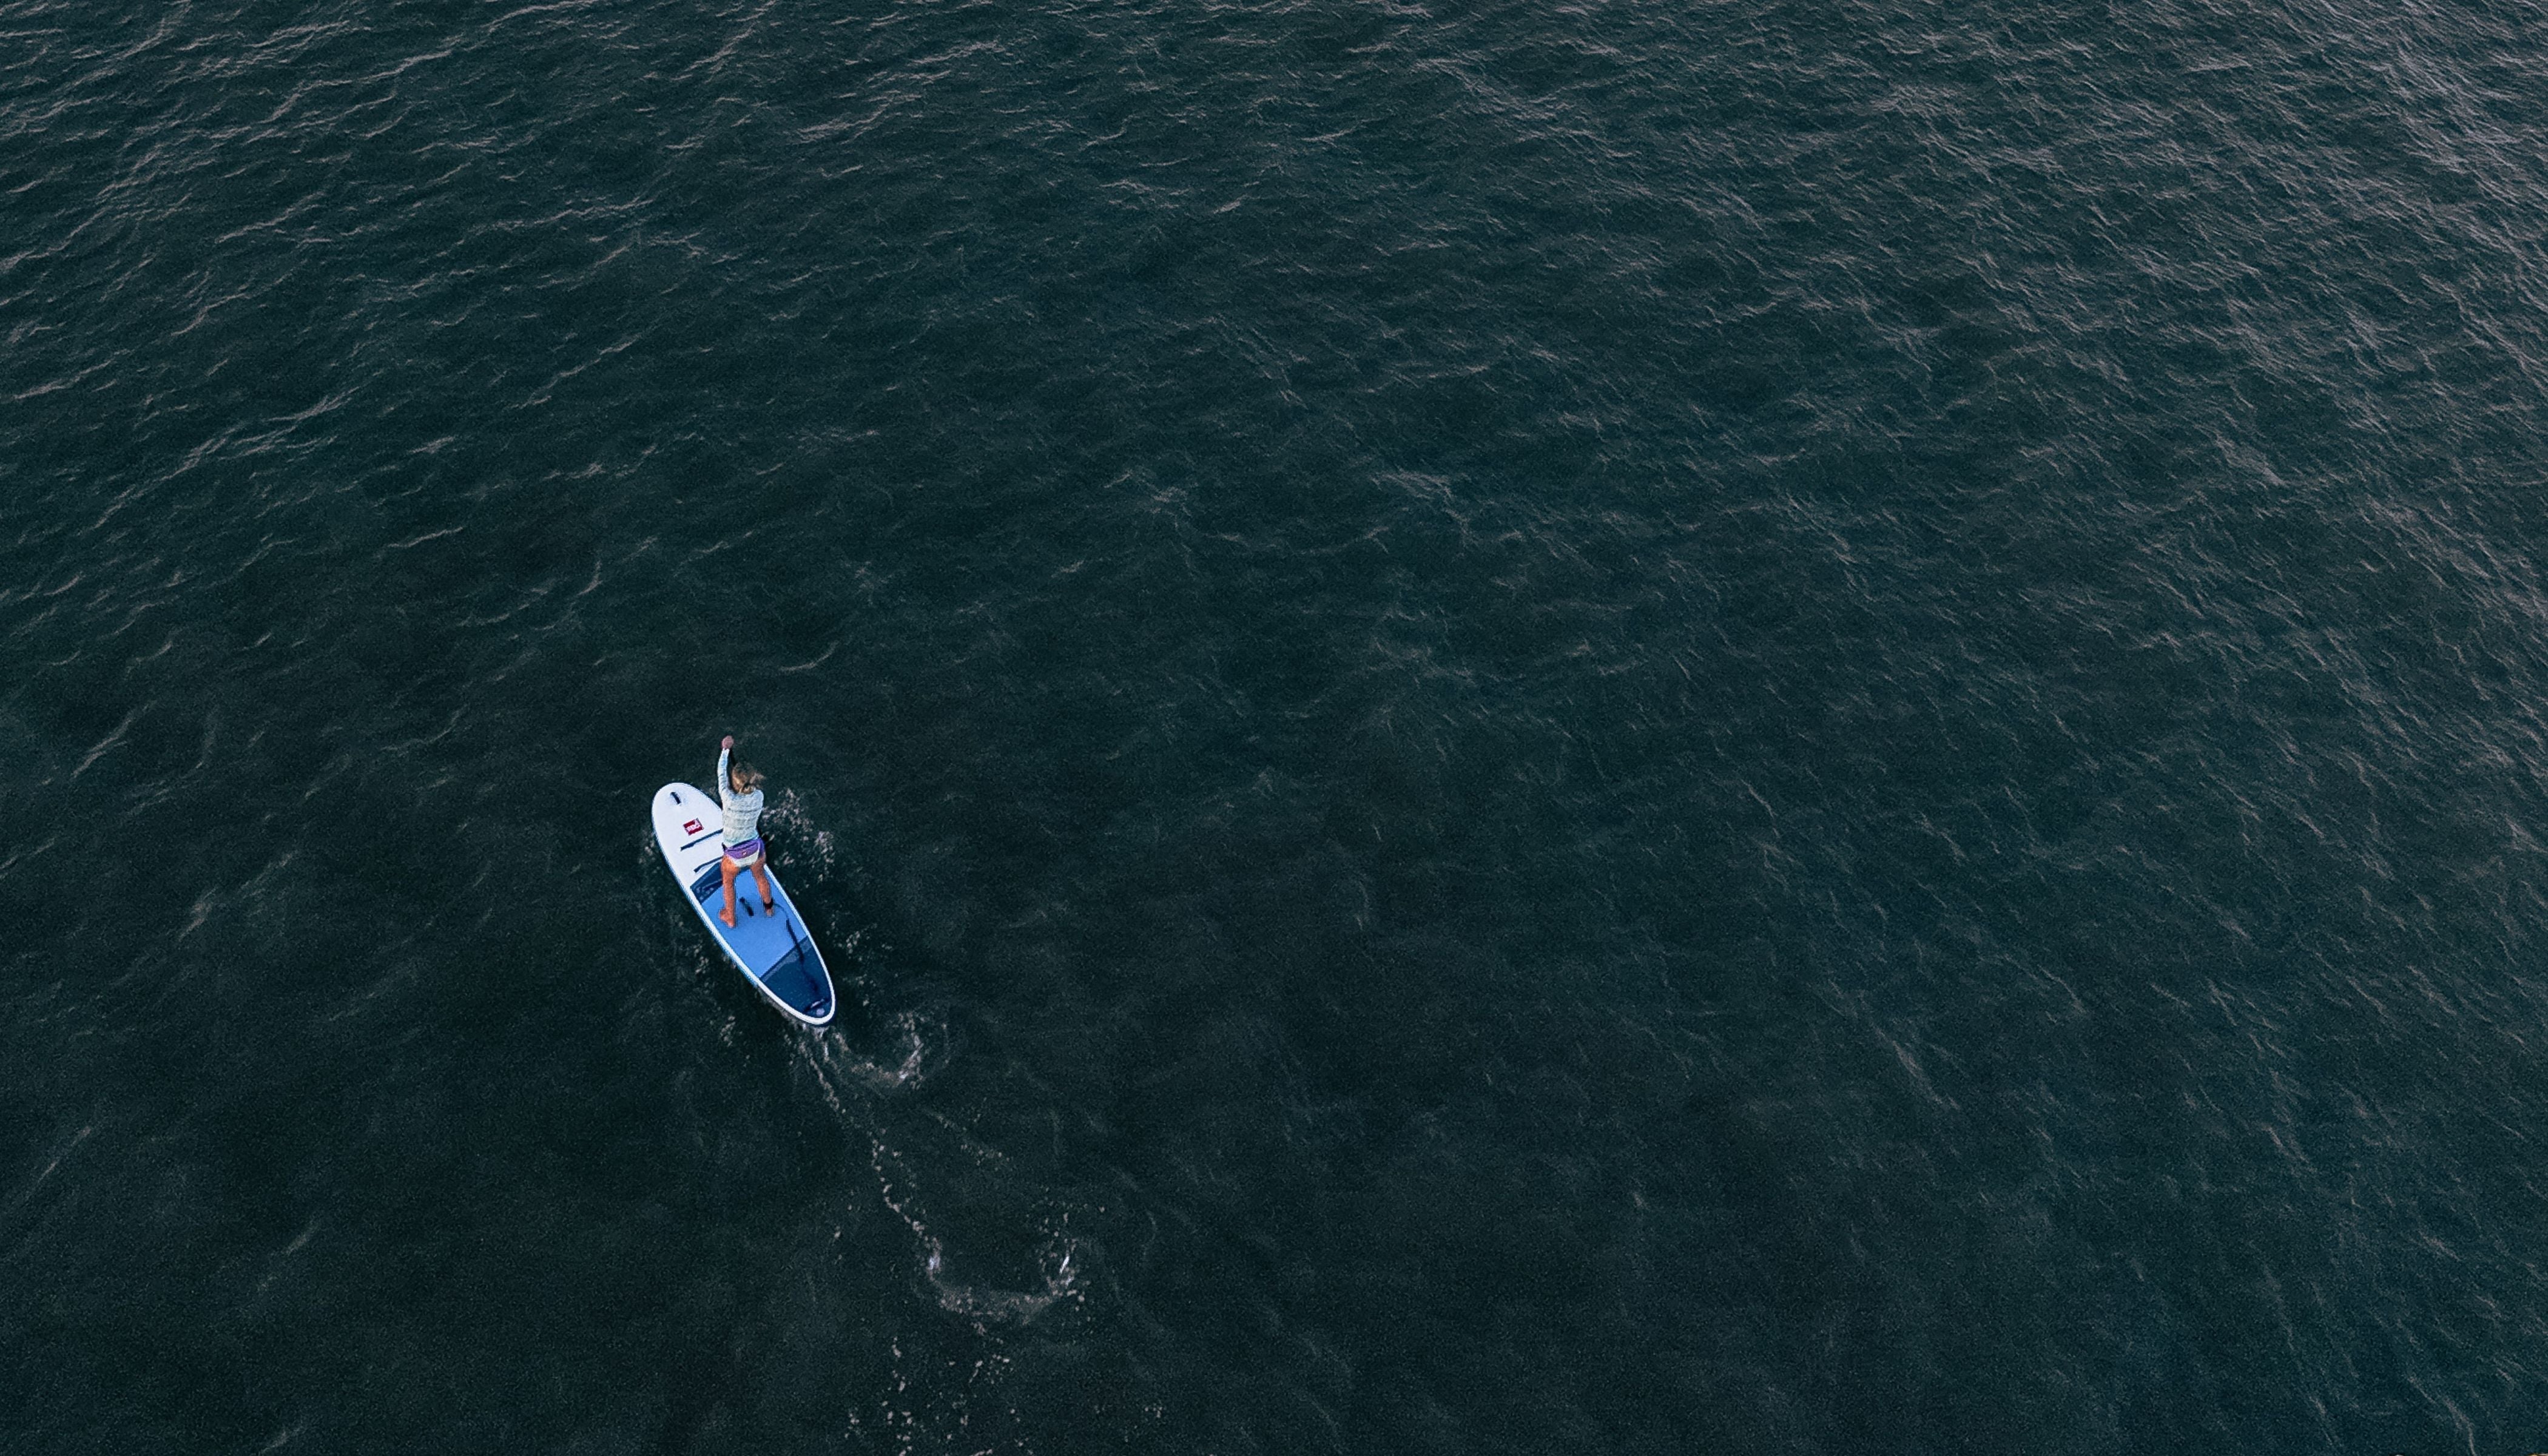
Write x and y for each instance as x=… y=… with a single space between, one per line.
x=771 y=947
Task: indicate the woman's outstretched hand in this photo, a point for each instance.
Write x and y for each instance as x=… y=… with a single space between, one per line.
x=729 y=741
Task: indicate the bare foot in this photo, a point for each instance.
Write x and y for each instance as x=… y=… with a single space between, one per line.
x=728 y=917
x=768 y=906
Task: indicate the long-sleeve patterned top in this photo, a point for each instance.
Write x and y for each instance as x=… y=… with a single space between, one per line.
x=742 y=810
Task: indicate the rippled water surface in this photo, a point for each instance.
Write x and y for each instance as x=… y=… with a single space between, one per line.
x=1608 y=728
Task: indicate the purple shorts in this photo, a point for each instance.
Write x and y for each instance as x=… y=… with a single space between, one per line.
x=745 y=855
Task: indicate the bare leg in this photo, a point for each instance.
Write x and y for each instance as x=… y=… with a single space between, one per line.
x=727 y=914
x=760 y=876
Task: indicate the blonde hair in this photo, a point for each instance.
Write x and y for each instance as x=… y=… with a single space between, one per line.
x=747 y=776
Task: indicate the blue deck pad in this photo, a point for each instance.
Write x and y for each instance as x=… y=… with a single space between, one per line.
x=773 y=944
x=797 y=980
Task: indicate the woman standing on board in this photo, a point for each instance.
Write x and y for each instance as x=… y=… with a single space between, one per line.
x=740 y=789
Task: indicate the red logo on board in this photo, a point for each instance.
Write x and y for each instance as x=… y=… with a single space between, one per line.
x=691 y=827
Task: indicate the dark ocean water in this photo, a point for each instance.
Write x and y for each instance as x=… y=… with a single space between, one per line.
x=1615 y=728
